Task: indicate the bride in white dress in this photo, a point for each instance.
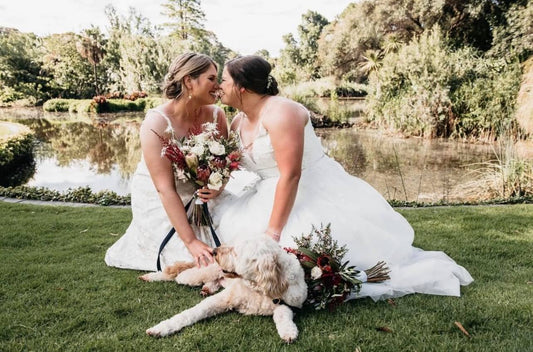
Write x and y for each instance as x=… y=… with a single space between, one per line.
x=157 y=199
x=299 y=186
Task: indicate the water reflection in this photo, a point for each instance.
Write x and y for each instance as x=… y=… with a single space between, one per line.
x=407 y=169
x=102 y=152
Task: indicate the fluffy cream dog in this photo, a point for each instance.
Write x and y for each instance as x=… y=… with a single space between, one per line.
x=259 y=278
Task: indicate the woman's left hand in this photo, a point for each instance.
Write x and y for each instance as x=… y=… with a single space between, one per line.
x=205 y=193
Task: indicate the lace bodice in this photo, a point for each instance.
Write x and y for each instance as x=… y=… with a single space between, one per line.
x=260 y=156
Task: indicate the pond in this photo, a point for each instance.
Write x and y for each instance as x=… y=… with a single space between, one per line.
x=102 y=152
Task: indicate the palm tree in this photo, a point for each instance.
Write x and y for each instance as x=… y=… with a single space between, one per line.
x=373 y=62
x=91 y=47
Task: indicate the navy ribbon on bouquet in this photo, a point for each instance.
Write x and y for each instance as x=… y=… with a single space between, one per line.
x=173 y=230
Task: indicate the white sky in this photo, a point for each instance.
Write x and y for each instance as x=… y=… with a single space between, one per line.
x=242 y=25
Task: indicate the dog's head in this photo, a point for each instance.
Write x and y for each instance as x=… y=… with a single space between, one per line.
x=257 y=260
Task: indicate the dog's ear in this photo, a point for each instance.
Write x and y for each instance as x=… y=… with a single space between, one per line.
x=269 y=276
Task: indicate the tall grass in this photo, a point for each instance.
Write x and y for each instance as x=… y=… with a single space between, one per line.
x=507 y=176
x=58 y=295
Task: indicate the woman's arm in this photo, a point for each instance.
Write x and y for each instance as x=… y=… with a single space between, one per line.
x=162 y=175
x=285 y=127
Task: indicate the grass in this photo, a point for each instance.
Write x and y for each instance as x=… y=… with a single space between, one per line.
x=58 y=295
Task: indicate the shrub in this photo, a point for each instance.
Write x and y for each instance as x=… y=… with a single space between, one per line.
x=428 y=89
x=17 y=163
x=77 y=195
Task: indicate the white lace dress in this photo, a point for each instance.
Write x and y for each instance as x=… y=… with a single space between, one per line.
x=360 y=218
x=138 y=247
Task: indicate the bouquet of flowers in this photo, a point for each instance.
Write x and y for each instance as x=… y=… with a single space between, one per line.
x=329 y=280
x=204 y=159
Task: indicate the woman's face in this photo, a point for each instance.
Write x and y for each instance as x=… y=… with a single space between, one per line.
x=205 y=86
x=229 y=90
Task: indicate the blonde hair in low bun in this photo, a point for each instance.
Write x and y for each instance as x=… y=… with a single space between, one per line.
x=188 y=64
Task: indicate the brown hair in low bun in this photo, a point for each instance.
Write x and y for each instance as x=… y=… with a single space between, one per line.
x=252 y=72
x=189 y=64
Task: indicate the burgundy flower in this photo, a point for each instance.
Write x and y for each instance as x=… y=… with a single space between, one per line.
x=202 y=173
x=172 y=151
x=323 y=263
x=234 y=156
x=234 y=165
x=219 y=162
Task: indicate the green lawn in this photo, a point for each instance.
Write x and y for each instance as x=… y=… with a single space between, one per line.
x=57 y=294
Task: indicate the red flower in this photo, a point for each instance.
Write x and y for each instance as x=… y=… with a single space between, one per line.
x=172 y=152
x=234 y=165
x=234 y=156
x=323 y=263
x=219 y=162
x=203 y=173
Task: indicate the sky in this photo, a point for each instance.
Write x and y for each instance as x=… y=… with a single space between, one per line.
x=245 y=26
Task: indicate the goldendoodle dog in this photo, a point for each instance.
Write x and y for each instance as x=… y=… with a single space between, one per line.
x=258 y=276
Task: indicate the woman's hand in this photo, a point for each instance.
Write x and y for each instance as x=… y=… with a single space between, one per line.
x=201 y=252
x=205 y=194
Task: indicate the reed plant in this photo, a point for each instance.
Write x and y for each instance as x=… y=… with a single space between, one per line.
x=508 y=175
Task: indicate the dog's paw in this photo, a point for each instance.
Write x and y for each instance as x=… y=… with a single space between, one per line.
x=160 y=330
x=155 y=276
x=205 y=291
x=289 y=334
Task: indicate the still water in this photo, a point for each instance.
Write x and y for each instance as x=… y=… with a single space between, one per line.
x=102 y=152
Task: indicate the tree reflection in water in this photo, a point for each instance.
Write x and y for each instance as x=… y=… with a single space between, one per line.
x=403 y=169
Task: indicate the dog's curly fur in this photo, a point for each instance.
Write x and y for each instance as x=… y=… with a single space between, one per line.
x=255 y=274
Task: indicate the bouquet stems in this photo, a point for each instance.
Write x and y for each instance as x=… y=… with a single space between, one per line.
x=378 y=273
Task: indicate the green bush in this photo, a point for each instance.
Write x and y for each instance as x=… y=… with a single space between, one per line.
x=77 y=195
x=17 y=163
x=111 y=105
x=429 y=89
x=58 y=105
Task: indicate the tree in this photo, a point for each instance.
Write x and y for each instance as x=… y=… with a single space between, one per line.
x=187 y=18
x=21 y=76
x=298 y=60
x=71 y=73
x=91 y=47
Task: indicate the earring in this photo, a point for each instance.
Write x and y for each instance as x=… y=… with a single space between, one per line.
x=190 y=97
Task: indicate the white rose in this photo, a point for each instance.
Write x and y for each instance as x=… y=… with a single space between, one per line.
x=197 y=149
x=216 y=148
x=316 y=273
x=215 y=181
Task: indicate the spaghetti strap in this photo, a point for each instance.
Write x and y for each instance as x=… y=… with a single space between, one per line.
x=167 y=119
x=215 y=115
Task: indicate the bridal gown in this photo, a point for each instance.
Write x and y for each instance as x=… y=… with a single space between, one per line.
x=360 y=218
x=138 y=247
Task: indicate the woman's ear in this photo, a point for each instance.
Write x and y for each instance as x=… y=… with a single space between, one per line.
x=187 y=82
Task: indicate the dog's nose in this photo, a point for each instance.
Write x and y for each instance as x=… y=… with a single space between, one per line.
x=214 y=251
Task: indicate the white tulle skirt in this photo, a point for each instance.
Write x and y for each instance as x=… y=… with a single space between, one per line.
x=360 y=218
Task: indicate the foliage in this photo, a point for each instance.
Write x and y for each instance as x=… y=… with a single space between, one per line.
x=91 y=47
x=382 y=24
x=429 y=89
x=298 y=60
x=71 y=74
x=17 y=163
x=76 y=195
x=187 y=18
x=111 y=105
x=21 y=76
x=58 y=294
x=514 y=38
